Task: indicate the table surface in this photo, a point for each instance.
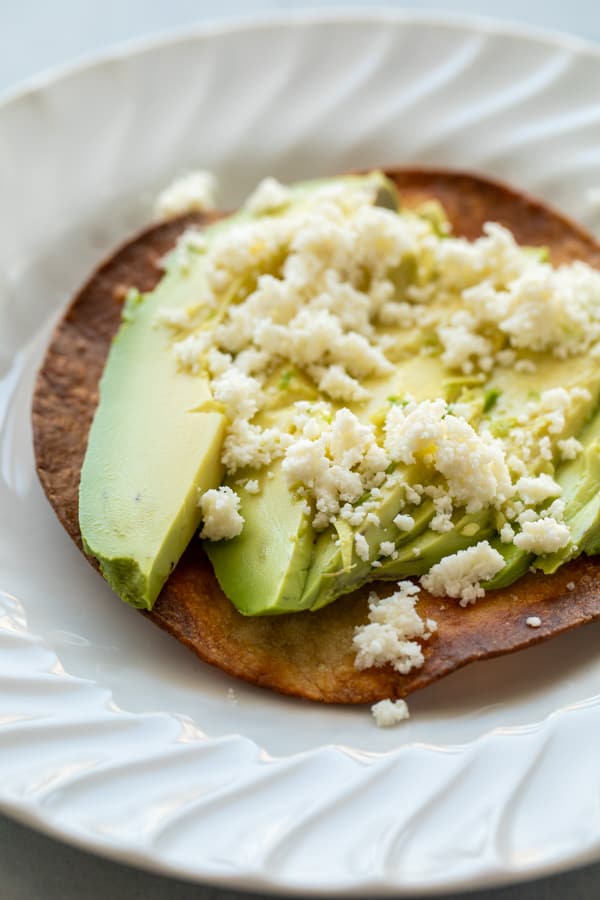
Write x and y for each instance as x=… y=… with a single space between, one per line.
x=36 y=36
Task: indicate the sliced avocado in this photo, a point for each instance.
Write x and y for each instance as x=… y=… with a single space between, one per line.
x=579 y=480
x=337 y=569
x=516 y=564
x=155 y=441
x=263 y=570
x=138 y=495
x=418 y=556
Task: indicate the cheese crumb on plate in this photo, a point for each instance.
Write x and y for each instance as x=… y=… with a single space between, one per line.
x=390 y=712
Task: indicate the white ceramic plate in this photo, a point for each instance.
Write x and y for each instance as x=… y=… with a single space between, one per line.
x=111 y=734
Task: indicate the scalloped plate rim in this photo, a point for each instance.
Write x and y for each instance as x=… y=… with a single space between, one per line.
x=178 y=34
x=28 y=813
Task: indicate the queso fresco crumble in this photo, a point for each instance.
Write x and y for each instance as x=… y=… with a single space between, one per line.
x=363 y=351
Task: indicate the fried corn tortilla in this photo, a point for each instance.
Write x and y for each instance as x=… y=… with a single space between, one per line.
x=305 y=654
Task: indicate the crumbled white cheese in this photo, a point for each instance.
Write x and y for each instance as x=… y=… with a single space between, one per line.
x=361 y=546
x=388 y=713
x=250 y=445
x=404 y=522
x=240 y=394
x=190 y=351
x=269 y=195
x=474 y=465
x=413 y=493
x=462 y=345
x=543 y=536
x=220 y=515
x=389 y=637
x=533 y=621
x=194 y=192
x=252 y=486
x=537 y=489
x=337 y=384
x=570 y=585
x=442 y=521
x=335 y=462
x=316 y=288
x=387 y=548
x=570 y=448
x=507 y=533
x=459 y=575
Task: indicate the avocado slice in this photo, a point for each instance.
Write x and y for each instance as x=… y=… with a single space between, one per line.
x=516 y=563
x=337 y=569
x=419 y=555
x=579 y=480
x=156 y=438
x=263 y=570
x=138 y=495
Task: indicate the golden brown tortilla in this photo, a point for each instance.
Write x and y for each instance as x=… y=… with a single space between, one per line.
x=306 y=654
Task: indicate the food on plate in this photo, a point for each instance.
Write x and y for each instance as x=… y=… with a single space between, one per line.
x=368 y=379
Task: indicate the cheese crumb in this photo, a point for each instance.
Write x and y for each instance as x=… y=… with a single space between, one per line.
x=335 y=461
x=570 y=585
x=194 y=192
x=240 y=394
x=542 y=536
x=536 y=490
x=390 y=712
x=222 y=520
x=361 y=546
x=389 y=637
x=252 y=486
x=386 y=548
x=404 y=522
x=474 y=465
x=459 y=575
x=337 y=384
x=570 y=448
x=268 y=196
x=533 y=621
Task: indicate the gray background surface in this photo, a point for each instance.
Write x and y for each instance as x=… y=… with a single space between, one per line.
x=36 y=35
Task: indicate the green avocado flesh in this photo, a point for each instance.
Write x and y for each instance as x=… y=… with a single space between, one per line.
x=265 y=567
x=138 y=496
x=155 y=445
x=157 y=437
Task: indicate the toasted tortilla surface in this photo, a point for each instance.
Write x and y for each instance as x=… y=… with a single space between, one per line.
x=306 y=654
